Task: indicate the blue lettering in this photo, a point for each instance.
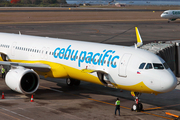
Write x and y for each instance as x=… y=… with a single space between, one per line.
x=105 y=55
x=61 y=52
x=96 y=58
x=100 y=58
x=55 y=52
x=97 y=54
x=66 y=56
x=110 y=59
x=88 y=58
x=112 y=65
x=73 y=58
x=83 y=57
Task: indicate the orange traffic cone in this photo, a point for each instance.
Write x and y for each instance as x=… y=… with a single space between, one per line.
x=32 y=100
x=2 y=95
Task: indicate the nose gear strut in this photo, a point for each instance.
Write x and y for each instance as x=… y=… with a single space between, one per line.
x=137 y=106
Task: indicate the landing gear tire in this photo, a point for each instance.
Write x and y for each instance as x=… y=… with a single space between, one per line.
x=77 y=82
x=140 y=106
x=137 y=107
x=69 y=82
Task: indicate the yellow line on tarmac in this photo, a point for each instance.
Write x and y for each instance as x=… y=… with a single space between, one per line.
x=161 y=107
x=130 y=109
x=9 y=116
x=81 y=21
x=157 y=115
x=112 y=104
x=97 y=31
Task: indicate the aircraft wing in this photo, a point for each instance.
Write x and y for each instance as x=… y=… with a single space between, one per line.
x=35 y=66
x=91 y=71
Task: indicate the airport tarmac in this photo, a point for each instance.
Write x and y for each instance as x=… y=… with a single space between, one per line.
x=56 y=101
x=88 y=101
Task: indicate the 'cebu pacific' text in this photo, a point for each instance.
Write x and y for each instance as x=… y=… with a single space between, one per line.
x=88 y=57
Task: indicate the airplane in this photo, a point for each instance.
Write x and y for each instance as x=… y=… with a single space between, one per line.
x=172 y=15
x=121 y=67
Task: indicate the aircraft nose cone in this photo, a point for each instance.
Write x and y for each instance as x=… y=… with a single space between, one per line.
x=169 y=82
x=162 y=15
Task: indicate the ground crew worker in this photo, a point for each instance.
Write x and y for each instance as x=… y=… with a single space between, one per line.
x=117 y=103
x=3 y=72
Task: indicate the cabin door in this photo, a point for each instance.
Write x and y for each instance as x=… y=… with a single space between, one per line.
x=123 y=65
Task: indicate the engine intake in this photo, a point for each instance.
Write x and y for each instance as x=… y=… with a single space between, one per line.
x=22 y=80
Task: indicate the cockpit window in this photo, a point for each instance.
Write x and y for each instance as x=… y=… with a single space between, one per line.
x=165 y=65
x=142 y=65
x=165 y=13
x=148 y=66
x=158 y=66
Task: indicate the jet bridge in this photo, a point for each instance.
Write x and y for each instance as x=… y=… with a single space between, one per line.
x=169 y=51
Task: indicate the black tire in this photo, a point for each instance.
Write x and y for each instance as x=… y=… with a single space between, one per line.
x=77 y=82
x=69 y=82
x=140 y=106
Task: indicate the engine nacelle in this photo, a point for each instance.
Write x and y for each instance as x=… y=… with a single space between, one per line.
x=22 y=80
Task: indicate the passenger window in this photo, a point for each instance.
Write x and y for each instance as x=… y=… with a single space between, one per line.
x=158 y=66
x=148 y=66
x=142 y=65
x=166 y=65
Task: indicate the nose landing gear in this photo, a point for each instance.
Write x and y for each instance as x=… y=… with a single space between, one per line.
x=137 y=106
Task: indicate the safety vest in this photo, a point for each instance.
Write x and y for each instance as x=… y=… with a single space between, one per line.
x=3 y=70
x=117 y=102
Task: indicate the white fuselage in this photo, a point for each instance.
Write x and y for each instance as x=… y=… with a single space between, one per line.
x=121 y=63
x=171 y=14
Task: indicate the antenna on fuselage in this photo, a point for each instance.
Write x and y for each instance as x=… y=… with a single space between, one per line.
x=19 y=33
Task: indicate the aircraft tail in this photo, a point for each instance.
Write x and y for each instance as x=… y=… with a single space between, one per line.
x=139 y=39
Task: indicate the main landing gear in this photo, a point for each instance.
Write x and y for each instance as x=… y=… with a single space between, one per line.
x=137 y=106
x=71 y=82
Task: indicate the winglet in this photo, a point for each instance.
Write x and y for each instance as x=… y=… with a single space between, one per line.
x=139 y=39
